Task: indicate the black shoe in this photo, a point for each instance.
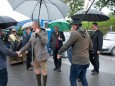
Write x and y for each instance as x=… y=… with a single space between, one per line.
x=59 y=70
x=79 y=80
x=93 y=70
x=55 y=68
x=94 y=73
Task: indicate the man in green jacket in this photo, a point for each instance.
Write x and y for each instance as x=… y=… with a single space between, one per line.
x=81 y=44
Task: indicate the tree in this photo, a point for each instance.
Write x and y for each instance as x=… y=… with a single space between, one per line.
x=74 y=5
x=100 y=4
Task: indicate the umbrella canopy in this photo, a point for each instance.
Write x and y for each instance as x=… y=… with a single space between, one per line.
x=6 y=21
x=63 y=25
x=92 y=15
x=49 y=9
x=27 y=25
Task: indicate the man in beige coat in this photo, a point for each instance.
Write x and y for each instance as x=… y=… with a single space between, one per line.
x=81 y=44
x=38 y=42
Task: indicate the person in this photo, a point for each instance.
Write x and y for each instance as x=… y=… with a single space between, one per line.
x=4 y=51
x=80 y=42
x=56 y=42
x=15 y=41
x=26 y=38
x=38 y=42
x=97 y=39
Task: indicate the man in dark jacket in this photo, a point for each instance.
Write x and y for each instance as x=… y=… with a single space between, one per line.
x=3 y=70
x=56 y=42
x=26 y=38
x=97 y=40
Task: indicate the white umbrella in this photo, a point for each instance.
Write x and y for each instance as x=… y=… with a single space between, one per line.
x=42 y=9
x=27 y=25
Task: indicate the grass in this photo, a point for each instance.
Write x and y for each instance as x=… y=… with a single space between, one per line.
x=103 y=26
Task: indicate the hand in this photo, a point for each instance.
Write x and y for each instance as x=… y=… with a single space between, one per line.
x=98 y=52
x=58 y=56
x=18 y=52
x=37 y=30
x=59 y=38
x=26 y=52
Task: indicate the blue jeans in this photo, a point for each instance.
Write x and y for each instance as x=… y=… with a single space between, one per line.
x=3 y=77
x=78 y=71
x=69 y=53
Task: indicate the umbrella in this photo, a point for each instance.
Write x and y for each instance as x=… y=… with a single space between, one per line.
x=62 y=24
x=92 y=15
x=6 y=21
x=40 y=9
x=27 y=25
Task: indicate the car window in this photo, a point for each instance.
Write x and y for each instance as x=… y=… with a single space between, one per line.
x=110 y=36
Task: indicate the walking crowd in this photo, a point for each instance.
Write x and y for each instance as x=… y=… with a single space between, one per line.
x=81 y=49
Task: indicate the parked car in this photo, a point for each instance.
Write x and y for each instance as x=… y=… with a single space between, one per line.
x=109 y=43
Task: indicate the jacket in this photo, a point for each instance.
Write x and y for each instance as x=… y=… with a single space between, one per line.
x=4 y=51
x=81 y=44
x=39 y=45
x=54 y=38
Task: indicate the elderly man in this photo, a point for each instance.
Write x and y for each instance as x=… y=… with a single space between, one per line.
x=56 y=42
x=81 y=43
x=38 y=42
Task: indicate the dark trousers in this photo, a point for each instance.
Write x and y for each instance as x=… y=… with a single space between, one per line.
x=78 y=71
x=57 y=62
x=94 y=59
x=29 y=59
x=3 y=77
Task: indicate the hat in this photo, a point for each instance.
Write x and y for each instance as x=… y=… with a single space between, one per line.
x=75 y=21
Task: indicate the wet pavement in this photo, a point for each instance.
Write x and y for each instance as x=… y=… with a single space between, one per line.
x=19 y=76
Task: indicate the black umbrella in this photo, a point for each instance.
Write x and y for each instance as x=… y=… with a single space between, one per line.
x=92 y=15
x=6 y=21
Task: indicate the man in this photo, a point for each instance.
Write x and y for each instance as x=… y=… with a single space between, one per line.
x=97 y=40
x=26 y=38
x=56 y=42
x=15 y=41
x=3 y=70
x=38 y=42
x=81 y=43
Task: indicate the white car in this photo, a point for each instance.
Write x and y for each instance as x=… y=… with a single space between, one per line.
x=109 y=43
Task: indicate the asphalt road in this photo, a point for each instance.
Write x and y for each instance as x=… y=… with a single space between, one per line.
x=19 y=76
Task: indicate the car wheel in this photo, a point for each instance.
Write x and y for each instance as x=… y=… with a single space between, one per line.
x=113 y=51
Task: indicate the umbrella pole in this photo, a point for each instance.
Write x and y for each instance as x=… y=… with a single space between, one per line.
x=39 y=9
x=86 y=11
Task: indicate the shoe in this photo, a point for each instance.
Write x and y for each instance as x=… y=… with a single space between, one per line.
x=30 y=68
x=59 y=70
x=93 y=70
x=55 y=68
x=79 y=80
x=94 y=73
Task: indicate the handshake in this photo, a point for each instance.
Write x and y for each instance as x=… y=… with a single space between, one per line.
x=19 y=53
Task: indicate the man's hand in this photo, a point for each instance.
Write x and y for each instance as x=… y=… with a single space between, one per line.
x=98 y=52
x=59 y=38
x=19 y=53
x=58 y=56
x=26 y=52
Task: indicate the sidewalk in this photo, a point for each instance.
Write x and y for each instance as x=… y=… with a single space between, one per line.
x=19 y=76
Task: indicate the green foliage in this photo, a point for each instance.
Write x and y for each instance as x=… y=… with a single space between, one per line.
x=74 y=5
x=20 y=31
x=100 y=4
